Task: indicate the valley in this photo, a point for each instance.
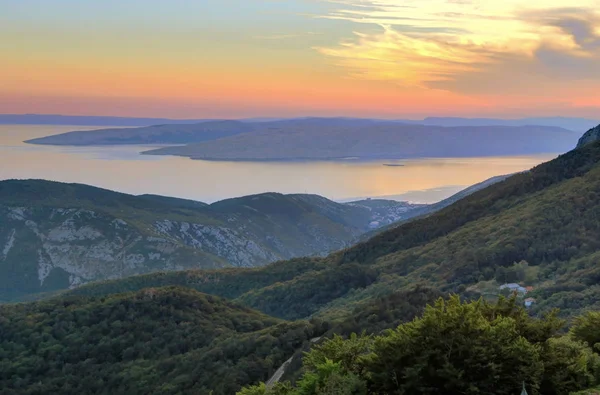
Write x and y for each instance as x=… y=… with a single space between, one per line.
x=122 y=168
x=57 y=236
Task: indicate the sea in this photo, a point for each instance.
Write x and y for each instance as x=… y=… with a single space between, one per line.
x=124 y=169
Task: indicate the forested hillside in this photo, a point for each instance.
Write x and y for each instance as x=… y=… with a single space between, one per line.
x=156 y=341
x=435 y=207
x=174 y=340
x=540 y=229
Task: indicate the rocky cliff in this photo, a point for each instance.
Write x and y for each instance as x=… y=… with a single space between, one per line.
x=589 y=136
x=55 y=236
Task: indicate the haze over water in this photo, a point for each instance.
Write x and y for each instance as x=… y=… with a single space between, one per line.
x=123 y=169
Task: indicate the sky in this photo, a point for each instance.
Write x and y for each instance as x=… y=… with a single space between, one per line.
x=280 y=58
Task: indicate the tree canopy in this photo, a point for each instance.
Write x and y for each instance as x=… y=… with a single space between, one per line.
x=455 y=347
x=156 y=341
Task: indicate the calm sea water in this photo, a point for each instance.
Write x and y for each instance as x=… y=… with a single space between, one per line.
x=122 y=168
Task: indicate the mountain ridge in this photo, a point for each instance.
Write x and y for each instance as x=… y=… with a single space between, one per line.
x=56 y=235
x=156 y=134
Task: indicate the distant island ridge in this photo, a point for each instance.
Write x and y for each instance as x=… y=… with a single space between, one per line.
x=314 y=139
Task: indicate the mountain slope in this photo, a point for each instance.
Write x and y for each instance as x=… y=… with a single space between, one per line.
x=387 y=212
x=54 y=236
x=539 y=228
x=548 y=217
x=321 y=140
x=428 y=209
x=156 y=341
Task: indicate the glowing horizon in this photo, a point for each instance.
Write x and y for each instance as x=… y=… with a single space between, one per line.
x=235 y=59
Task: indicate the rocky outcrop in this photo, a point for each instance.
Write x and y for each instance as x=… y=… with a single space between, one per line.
x=589 y=137
x=46 y=249
x=56 y=236
x=49 y=248
x=219 y=241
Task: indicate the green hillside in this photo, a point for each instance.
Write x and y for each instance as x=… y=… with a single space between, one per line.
x=548 y=219
x=540 y=229
x=156 y=341
x=435 y=207
x=173 y=340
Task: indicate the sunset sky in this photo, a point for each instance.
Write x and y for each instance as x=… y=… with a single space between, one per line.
x=247 y=58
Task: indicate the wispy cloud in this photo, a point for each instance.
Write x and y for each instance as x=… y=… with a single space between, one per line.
x=440 y=43
x=285 y=36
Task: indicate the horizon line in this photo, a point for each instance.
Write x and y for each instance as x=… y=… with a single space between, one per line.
x=267 y=118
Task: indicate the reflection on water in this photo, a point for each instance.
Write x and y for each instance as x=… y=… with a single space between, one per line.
x=122 y=168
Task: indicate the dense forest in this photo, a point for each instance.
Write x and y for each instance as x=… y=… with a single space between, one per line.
x=157 y=341
x=174 y=340
x=455 y=347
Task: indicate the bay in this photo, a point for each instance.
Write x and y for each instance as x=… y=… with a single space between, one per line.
x=122 y=168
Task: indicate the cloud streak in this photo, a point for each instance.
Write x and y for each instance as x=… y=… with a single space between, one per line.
x=286 y=36
x=441 y=44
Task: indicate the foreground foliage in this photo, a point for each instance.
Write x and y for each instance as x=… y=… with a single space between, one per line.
x=453 y=348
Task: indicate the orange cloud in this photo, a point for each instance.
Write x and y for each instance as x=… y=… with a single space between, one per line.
x=406 y=58
x=427 y=43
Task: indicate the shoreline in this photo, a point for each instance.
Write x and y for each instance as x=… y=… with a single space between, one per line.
x=347 y=159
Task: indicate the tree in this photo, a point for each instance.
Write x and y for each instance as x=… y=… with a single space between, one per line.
x=455 y=348
x=348 y=353
x=569 y=365
x=501 y=274
x=586 y=328
x=330 y=378
x=259 y=389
